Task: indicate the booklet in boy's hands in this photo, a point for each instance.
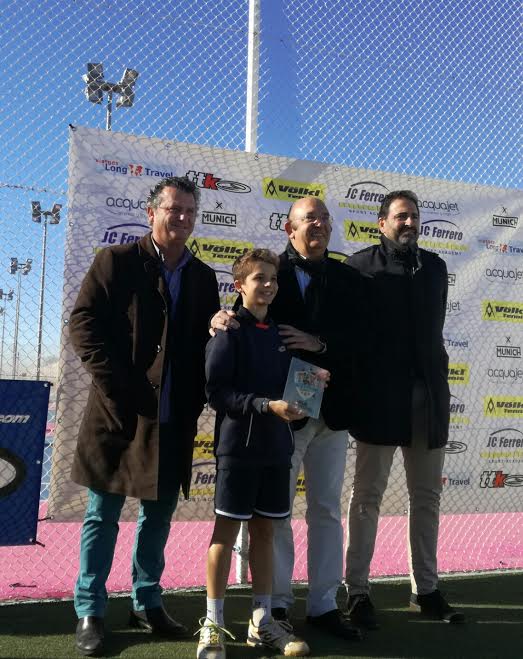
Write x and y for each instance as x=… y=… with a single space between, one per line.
x=304 y=386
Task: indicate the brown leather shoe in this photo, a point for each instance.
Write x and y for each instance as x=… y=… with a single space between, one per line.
x=158 y=621
x=90 y=636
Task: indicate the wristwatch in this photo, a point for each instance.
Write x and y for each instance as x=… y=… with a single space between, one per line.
x=323 y=345
x=265 y=406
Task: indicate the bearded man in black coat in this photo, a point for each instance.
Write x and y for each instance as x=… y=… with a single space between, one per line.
x=403 y=401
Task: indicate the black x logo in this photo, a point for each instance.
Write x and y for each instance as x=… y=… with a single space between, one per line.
x=503 y=210
x=507 y=339
x=219 y=205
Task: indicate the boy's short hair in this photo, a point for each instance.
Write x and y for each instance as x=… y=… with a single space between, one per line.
x=244 y=264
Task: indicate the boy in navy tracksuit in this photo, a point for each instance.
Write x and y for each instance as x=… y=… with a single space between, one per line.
x=246 y=370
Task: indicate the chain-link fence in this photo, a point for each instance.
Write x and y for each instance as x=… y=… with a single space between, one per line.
x=421 y=87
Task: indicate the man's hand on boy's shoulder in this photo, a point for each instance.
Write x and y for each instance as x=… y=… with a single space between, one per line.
x=223 y=320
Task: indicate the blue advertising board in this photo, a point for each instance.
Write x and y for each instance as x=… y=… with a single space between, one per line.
x=23 y=417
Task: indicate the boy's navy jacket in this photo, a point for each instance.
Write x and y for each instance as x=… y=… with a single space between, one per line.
x=243 y=366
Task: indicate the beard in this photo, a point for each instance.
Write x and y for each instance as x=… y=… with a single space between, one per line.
x=408 y=238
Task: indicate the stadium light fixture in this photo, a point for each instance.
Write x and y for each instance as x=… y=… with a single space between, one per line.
x=96 y=86
x=22 y=269
x=49 y=217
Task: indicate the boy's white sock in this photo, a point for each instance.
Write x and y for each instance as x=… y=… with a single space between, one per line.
x=261 y=609
x=214 y=611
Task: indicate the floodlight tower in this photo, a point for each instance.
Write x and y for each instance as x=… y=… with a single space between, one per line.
x=21 y=269
x=96 y=86
x=49 y=217
x=3 y=312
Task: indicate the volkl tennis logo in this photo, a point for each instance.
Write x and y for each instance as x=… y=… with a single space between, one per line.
x=216 y=250
x=285 y=190
x=503 y=406
x=458 y=374
x=361 y=232
x=502 y=311
x=499 y=479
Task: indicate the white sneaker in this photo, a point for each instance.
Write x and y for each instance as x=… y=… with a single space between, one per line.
x=277 y=635
x=212 y=640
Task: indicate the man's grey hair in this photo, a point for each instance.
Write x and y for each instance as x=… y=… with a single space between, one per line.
x=180 y=183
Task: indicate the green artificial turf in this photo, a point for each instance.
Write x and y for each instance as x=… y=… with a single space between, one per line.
x=492 y=603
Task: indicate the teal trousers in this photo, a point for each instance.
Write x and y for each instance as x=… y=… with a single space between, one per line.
x=97 y=544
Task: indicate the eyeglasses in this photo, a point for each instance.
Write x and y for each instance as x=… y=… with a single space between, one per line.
x=320 y=219
x=175 y=210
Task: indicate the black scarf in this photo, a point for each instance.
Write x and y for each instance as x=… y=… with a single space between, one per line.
x=317 y=270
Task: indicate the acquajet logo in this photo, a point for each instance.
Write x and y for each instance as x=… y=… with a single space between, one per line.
x=216 y=250
x=438 y=206
x=451 y=278
x=277 y=221
x=219 y=219
x=455 y=480
x=14 y=418
x=508 y=351
x=125 y=206
x=509 y=375
x=510 y=407
x=504 y=221
x=502 y=311
x=208 y=181
x=453 y=307
x=361 y=232
x=459 y=374
x=505 y=249
x=285 y=190
x=504 y=275
x=442 y=236
x=499 y=479
x=121 y=234
x=454 y=446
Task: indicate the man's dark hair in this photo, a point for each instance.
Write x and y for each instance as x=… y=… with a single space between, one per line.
x=392 y=196
x=180 y=183
x=244 y=264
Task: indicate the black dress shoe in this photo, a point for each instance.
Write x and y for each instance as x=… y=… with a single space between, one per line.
x=158 y=622
x=90 y=636
x=335 y=623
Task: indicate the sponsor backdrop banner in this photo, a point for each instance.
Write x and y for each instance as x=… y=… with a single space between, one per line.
x=245 y=199
x=23 y=417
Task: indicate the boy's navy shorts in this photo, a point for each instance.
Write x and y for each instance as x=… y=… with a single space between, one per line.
x=242 y=492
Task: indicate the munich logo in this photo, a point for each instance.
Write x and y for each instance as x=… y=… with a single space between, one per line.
x=285 y=190
x=208 y=181
x=503 y=221
x=508 y=351
x=502 y=311
x=219 y=219
x=451 y=278
x=499 y=479
x=503 y=406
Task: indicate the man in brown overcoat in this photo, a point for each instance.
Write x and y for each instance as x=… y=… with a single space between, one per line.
x=139 y=326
